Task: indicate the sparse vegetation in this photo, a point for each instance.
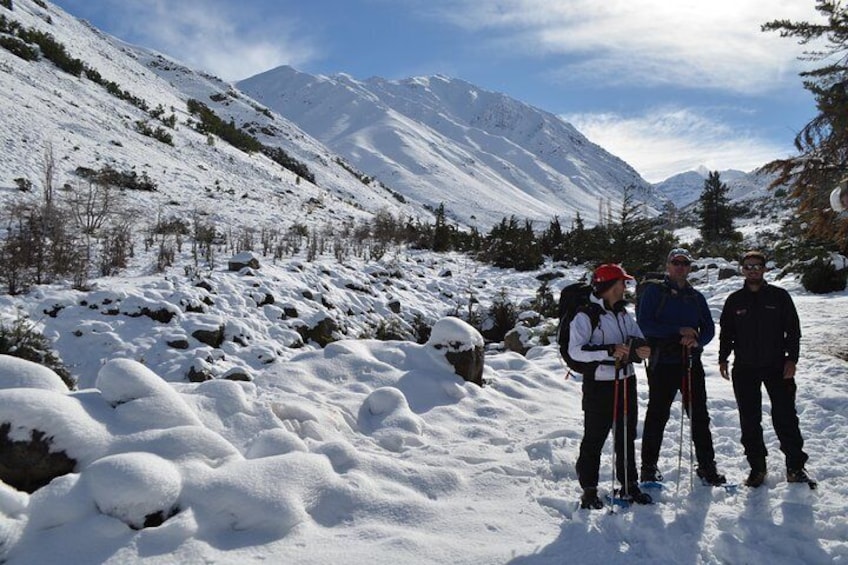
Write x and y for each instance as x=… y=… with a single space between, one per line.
x=51 y=50
x=545 y=303
x=501 y=317
x=18 y=47
x=20 y=41
x=158 y=113
x=210 y=123
x=115 y=90
x=283 y=159
x=158 y=133
x=83 y=228
x=640 y=241
x=362 y=177
x=24 y=185
x=22 y=340
x=390 y=329
x=512 y=245
x=129 y=180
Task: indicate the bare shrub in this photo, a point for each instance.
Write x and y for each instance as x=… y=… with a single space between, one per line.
x=91 y=206
x=115 y=249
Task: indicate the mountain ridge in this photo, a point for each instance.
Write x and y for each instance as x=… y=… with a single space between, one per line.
x=684 y=189
x=430 y=135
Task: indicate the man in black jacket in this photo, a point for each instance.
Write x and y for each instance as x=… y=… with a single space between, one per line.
x=759 y=324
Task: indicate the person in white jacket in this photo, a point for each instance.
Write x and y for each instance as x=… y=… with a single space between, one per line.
x=613 y=342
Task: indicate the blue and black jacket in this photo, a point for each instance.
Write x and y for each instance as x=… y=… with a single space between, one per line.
x=664 y=308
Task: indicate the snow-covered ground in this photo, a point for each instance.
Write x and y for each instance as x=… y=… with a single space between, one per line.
x=375 y=452
x=360 y=452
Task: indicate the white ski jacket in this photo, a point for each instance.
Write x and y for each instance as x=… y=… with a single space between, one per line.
x=612 y=329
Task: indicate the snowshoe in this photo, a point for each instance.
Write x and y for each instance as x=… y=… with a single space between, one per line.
x=636 y=495
x=652 y=485
x=617 y=500
x=633 y=495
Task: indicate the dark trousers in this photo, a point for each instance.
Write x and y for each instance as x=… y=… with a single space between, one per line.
x=598 y=398
x=747 y=387
x=664 y=380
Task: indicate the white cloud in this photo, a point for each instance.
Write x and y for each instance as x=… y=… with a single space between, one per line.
x=666 y=141
x=217 y=36
x=714 y=44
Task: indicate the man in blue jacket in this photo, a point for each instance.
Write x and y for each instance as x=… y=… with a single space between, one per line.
x=760 y=325
x=676 y=321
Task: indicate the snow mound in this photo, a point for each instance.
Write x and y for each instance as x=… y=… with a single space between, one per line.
x=20 y=373
x=132 y=487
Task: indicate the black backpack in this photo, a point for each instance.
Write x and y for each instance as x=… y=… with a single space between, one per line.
x=573 y=299
x=650 y=279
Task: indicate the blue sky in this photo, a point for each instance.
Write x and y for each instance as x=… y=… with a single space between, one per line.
x=667 y=86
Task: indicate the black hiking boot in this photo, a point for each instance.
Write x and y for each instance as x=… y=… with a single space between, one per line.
x=800 y=476
x=589 y=500
x=651 y=475
x=635 y=494
x=755 y=478
x=709 y=476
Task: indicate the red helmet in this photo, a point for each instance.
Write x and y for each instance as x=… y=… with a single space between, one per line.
x=609 y=272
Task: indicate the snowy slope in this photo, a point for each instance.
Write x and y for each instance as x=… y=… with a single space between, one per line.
x=88 y=127
x=437 y=139
x=375 y=452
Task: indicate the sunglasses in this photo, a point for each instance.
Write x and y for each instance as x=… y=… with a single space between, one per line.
x=677 y=263
x=756 y=267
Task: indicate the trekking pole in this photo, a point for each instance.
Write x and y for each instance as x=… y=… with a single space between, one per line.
x=680 y=443
x=614 y=420
x=625 y=423
x=691 y=439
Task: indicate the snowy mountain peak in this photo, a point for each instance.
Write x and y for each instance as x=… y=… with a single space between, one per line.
x=439 y=139
x=685 y=188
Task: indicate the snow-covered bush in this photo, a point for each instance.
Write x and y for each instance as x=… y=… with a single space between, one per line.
x=21 y=339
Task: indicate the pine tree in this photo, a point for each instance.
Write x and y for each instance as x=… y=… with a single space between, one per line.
x=715 y=210
x=636 y=240
x=509 y=245
x=442 y=231
x=823 y=143
x=718 y=238
x=552 y=239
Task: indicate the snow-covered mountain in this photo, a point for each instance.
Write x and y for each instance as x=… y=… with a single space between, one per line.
x=437 y=139
x=685 y=188
x=118 y=113
x=375 y=145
